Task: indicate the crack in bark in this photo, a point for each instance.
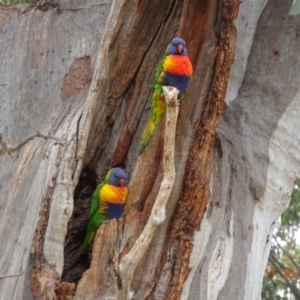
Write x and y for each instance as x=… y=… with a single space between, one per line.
x=196 y=189
x=9 y=150
x=130 y=261
x=37 y=256
x=77 y=139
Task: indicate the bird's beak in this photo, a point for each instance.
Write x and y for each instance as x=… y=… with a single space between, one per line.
x=121 y=182
x=179 y=48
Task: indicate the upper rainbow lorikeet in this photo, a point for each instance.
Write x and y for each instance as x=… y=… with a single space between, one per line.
x=174 y=69
x=107 y=203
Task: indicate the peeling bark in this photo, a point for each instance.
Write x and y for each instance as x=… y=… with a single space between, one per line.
x=130 y=261
x=196 y=189
x=79 y=75
x=100 y=279
x=233 y=177
x=37 y=182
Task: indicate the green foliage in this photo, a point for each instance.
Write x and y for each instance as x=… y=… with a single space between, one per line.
x=12 y=2
x=295 y=9
x=283 y=265
x=272 y=289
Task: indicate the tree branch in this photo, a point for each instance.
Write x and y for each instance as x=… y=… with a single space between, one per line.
x=8 y=149
x=157 y=216
x=11 y=275
x=289 y=283
x=287 y=253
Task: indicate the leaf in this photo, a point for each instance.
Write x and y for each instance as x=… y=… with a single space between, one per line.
x=295 y=9
x=12 y=2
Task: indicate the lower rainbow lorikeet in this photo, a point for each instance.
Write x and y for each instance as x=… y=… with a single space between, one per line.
x=174 y=69
x=107 y=203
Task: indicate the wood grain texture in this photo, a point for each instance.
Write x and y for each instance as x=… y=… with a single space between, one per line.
x=222 y=199
x=196 y=188
x=37 y=49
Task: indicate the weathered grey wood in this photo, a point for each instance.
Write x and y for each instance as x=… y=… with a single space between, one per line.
x=80 y=73
x=38 y=50
x=256 y=160
x=129 y=262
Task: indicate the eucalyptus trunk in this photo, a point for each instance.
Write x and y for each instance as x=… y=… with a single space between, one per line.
x=75 y=90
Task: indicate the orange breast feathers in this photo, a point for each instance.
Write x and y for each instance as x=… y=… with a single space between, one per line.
x=113 y=194
x=178 y=65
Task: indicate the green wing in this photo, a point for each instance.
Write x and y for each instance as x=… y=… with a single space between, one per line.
x=158 y=71
x=159 y=68
x=95 y=197
x=95 y=219
x=158 y=107
x=94 y=224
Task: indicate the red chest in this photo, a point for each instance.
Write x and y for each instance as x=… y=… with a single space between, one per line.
x=178 y=65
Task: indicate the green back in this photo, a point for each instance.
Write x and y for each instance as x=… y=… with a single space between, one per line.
x=95 y=202
x=158 y=71
x=157 y=107
x=95 y=219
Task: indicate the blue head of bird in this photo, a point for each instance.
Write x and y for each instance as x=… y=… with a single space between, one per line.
x=177 y=47
x=118 y=177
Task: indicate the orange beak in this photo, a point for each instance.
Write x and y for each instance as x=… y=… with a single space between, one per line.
x=121 y=182
x=179 y=48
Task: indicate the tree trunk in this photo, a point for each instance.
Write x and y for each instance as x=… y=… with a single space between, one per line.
x=75 y=86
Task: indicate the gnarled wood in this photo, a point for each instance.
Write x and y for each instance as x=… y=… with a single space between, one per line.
x=130 y=261
x=233 y=179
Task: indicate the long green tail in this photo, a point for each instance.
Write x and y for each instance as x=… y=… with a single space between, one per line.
x=88 y=239
x=96 y=221
x=158 y=109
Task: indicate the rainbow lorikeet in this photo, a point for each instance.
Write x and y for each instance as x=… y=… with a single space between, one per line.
x=174 y=69
x=107 y=203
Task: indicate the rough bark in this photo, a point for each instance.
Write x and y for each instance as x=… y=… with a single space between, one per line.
x=130 y=261
x=75 y=83
x=38 y=63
